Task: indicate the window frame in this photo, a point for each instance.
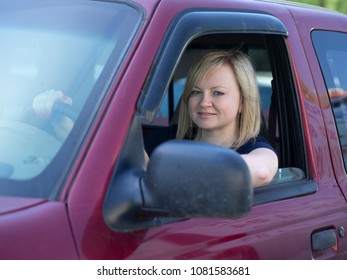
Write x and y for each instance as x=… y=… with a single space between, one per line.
x=183 y=29
x=182 y=32
x=321 y=51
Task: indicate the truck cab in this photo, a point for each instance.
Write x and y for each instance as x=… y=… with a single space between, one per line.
x=91 y=195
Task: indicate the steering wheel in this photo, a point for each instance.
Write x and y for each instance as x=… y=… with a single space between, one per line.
x=59 y=109
x=63 y=109
x=25 y=150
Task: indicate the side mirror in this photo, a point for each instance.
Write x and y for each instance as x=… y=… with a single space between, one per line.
x=184 y=179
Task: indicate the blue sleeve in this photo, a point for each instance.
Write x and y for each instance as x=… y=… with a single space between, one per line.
x=255 y=143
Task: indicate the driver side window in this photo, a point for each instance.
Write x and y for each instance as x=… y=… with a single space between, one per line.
x=279 y=106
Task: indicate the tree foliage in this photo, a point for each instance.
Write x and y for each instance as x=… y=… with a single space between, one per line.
x=338 y=5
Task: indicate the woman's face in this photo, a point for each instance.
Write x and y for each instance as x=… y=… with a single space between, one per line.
x=214 y=103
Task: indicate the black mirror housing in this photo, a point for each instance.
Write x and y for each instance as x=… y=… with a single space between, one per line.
x=184 y=179
x=191 y=179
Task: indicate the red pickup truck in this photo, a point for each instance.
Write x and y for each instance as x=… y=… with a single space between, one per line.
x=124 y=64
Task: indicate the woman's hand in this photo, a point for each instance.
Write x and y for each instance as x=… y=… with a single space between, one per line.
x=146 y=158
x=44 y=102
x=43 y=106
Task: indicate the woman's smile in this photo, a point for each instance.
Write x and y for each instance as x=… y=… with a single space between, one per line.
x=206 y=114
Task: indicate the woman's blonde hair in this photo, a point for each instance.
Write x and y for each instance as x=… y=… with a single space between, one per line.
x=250 y=116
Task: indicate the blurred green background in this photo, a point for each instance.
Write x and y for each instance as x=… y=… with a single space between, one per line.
x=338 y=5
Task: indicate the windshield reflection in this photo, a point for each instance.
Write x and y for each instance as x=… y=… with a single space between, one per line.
x=45 y=45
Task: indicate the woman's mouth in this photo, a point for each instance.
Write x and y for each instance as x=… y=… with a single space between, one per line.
x=206 y=114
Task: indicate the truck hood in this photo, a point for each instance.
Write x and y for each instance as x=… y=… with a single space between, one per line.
x=13 y=204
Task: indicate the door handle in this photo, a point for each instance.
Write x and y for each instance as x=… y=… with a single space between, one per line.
x=324 y=239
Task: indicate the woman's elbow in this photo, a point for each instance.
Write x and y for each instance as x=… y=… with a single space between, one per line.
x=263 y=165
x=265 y=174
x=263 y=177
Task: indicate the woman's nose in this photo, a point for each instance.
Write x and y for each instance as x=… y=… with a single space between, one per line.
x=205 y=100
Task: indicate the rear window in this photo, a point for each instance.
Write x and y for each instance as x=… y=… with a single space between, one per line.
x=331 y=50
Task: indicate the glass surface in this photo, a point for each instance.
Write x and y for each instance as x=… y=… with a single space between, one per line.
x=331 y=50
x=54 y=46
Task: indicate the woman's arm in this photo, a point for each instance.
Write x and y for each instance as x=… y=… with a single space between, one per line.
x=263 y=165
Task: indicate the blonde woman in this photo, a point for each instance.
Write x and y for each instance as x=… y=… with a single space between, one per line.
x=221 y=106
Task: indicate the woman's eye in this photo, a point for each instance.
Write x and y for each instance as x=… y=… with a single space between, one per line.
x=195 y=92
x=218 y=93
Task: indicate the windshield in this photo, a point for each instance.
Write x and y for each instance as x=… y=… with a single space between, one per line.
x=64 y=47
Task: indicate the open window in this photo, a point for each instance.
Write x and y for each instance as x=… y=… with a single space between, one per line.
x=281 y=113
